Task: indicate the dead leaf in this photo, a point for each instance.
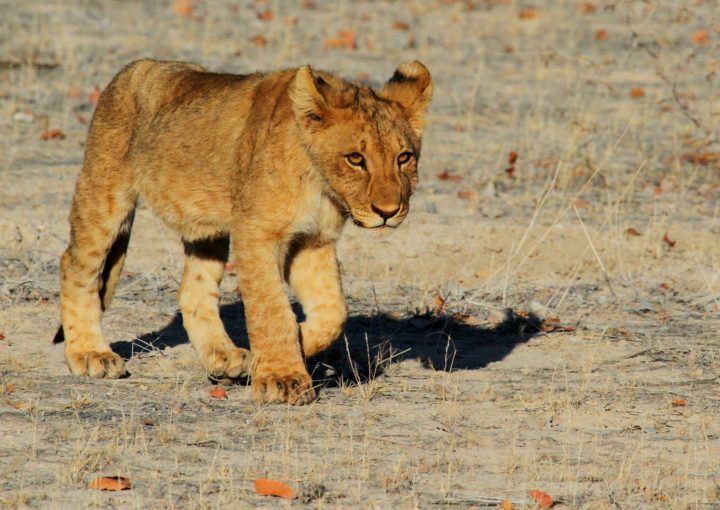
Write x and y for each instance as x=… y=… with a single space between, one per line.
x=9 y=388
x=401 y=25
x=259 y=40
x=2 y=337
x=466 y=193
x=510 y=171
x=219 y=393
x=527 y=14
x=94 y=96
x=632 y=232
x=681 y=402
x=701 y=37
x=52 y=134
x=265 y=15
x=447 y=176
x=72 y=92
x=148 y=422
x=601 y=35
x=439 y=304
x=664 y=286
x=505 y=504
x=703 y=159
x=542 y=499
x=668 y=241
x=512 y=157
x=82 y=119
x=183 y=8
x=458 y=128
x=110 y=483
x=290 y=21
x=346 y=39
x=587 y=8
x=637 y=93
x=309 y=4
x=266 y=487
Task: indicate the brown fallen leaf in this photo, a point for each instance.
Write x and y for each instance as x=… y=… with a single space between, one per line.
x=506 y=505
x=72 y=92
x=701 y=37
x=148 y=422
x=259 y=40
x=94 y=96
x=466 y=193
x=265 y=15
x=219 y=393
x=110 y=483
x=2 y=337
x=637 y=93
x=587 y=8
x=632 y=232
x=52 y=134
x=401 y=25
x=447 y=176
x=458 y=128
x=346 y=39
x=668 y=241
x=512 y=157
x=9 y=388
x=542 y=499
x=681 y=402
x=82 y=119
x=290 y=21
x=439 y=302
x=183 y=8
x=664 y=286
x=527 y=14
x=266 y=487
x=601 y=34
x=703 y=159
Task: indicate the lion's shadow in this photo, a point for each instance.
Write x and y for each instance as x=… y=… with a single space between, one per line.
x=371 y=343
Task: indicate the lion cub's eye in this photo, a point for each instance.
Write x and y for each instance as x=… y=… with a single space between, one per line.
x=404 y=157
x=355 y=159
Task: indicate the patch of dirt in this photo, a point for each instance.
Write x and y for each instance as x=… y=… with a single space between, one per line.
x=420 y=407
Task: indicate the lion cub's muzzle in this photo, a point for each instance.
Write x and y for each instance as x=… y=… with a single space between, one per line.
x=386 y=216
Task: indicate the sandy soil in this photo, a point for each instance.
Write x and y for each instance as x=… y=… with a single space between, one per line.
x=613 y=113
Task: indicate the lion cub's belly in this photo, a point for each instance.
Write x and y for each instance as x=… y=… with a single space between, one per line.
x=197 y=206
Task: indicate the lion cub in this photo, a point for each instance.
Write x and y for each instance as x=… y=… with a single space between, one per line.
x=270 y=164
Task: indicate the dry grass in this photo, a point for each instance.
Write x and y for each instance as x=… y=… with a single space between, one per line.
x=416 y=411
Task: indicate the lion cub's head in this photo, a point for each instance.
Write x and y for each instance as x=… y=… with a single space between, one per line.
x=366 y=142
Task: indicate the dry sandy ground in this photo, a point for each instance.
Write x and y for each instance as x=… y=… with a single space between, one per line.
x=454 y=409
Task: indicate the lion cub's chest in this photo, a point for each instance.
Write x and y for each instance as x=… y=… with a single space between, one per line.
x=315 y=215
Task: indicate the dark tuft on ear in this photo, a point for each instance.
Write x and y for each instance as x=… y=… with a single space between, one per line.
x=411 y=87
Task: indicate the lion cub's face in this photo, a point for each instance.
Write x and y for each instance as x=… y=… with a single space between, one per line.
x=366 y=142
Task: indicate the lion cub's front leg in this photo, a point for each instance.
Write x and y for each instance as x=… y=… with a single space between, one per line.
x=279 y=373
x=198 y=296
x=315 y=279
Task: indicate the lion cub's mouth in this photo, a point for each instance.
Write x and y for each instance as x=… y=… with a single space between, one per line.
x=376 y=221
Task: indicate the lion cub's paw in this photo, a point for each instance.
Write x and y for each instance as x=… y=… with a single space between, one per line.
x=227 y=363
x=96 y=364
x=295 y=388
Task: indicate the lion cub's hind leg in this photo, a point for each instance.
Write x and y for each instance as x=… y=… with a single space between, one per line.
x=199 y=297
x=315 y=279
x=89 y=269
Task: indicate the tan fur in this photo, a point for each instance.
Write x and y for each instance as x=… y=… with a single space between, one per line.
x=261 y=159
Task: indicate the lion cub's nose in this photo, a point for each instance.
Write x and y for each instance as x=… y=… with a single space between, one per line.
x=385 y=213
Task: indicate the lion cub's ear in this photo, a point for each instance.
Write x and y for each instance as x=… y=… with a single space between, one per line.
x=411 y=86
x=308 y=104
